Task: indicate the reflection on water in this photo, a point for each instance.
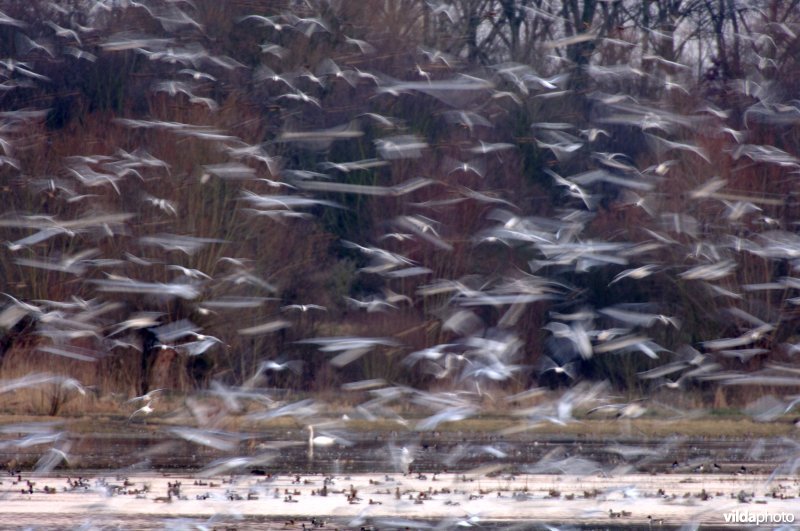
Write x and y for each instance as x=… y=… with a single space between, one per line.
x=452 y=452
x=442 y=451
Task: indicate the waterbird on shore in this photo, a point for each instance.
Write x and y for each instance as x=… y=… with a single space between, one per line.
x=319 y=440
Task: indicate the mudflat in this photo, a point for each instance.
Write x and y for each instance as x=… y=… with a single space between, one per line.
x=397 y=500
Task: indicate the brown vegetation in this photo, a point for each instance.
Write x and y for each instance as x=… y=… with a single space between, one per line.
x=289 y=260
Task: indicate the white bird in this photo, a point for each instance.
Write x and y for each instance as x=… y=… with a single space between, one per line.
x=264 y=73
x=485 y=148
x=196 y=74
x=406 y=458
x=147 y=397
x=574 y=189
x=399 y=236
x=64 y=32
x=24 y=306
x=74 y=384
x=637 y=318
x=274 y=49
x=162 y=204
x=293 y=365
x=196 y=348
x=393 y=298
x=475 y=166
x=268 y=21
x=575 y=333
x=51 y=459
x=631 y=410
x=137 y=321
x=304 y=307
x=547 y=364
x=363 y=46
x=636 y=273
x=189 y=272
x=6 y=20
x=319 y=440
x=144 y=410
x=372 y=305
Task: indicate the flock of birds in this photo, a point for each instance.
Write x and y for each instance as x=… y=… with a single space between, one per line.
x=461 y=499
x=88 y=236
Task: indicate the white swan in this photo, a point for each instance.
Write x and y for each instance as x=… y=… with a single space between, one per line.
x=319 y=440
x=405 y=460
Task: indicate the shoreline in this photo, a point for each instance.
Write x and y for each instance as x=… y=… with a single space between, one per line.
x=625 y=499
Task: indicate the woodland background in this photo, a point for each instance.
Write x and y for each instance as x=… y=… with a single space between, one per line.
x=719 y=75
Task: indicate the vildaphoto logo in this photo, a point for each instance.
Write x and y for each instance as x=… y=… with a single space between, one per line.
x=747 y=517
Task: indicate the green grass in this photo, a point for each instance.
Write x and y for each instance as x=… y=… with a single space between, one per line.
x=728 y=426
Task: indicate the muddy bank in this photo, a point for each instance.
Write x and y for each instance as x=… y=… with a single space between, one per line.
x=392 y=501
